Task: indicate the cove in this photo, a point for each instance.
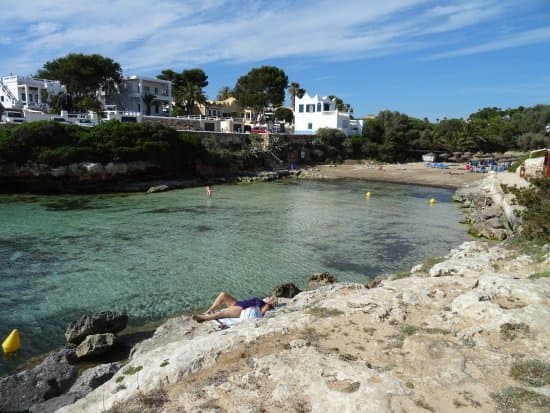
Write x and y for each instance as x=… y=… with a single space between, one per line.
x=158 y=255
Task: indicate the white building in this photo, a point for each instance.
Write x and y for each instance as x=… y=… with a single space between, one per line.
x=132 y=91
x=314 y=112
x=28 y=92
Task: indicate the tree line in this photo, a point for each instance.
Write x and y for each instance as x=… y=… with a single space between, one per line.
x=391 y=136
x=83 y=75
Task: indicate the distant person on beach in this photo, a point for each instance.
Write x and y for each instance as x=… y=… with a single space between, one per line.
x=209 y=191
x=522 y=170
x=233 y=307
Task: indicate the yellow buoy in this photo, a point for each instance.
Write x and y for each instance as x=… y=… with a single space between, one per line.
x=12 y=342
x=367 y=194
x=432 y=201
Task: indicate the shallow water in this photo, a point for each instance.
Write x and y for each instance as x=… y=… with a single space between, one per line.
x=158 y=255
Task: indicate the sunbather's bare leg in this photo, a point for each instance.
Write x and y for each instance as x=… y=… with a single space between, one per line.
x=229 y=312
x=222 y=298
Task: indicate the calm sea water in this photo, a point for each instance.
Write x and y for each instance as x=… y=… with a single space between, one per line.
x=158 y=255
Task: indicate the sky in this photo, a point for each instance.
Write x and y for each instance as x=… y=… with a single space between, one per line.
x=425 y=58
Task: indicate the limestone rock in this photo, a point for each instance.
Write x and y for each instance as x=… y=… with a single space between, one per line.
x=376 y=281
x=49 y=379
x=93 y=378
x=98 y=323
x=91 y=170
x=95 y=345
x=54 y=404
x=114 y=169
x=411 y=344
x=158 y=188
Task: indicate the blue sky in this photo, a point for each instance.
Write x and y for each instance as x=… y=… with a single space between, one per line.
x=425 y=58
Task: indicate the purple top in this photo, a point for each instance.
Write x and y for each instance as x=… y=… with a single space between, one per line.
x=251 y=302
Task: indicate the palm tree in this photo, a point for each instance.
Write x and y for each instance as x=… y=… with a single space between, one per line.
x=294 y=90
x=224 y=93
x=190 y=95
x=148 y=100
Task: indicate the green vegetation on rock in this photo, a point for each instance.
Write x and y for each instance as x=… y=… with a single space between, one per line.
x=534 y=373
x=517 y=400
x=536 y=215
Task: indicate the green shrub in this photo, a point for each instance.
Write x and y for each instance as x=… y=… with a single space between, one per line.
x=55 y=144
x=536 y=215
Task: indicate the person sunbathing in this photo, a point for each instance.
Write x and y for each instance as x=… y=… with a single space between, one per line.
x=234 y=308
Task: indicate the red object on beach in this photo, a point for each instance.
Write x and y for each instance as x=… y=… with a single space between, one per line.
x=468 y=166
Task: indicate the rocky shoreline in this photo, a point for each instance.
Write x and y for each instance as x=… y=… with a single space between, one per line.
x=453 y=334
x=94 y=177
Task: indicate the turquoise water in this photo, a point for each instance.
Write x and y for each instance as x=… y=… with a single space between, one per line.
x=158 y=255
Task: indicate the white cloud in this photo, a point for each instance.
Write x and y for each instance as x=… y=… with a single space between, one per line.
x=43 y=28
x=146 y=35
x=513 y=40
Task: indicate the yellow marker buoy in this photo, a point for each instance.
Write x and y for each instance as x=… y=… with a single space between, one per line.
x=432 y=201
x=367 y=194
x=12 y=342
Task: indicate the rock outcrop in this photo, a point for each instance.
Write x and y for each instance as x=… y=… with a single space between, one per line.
x=158 y=188
x=51 y=378
x=446 y=337
x=96 y=345
x=99 y=323
x=320 y=278
x=490 y=212
x=288 y=290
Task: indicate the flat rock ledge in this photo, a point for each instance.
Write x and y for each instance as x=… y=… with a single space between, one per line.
x=443 y=339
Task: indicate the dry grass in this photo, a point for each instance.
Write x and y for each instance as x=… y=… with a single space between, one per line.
x=151 y=402
x=517 y=400
x=323 y=312
x=531 y=372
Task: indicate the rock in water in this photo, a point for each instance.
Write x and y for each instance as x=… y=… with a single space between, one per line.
x=158 y=188
x=288 y=290
x=319 y=279
x=99 y=323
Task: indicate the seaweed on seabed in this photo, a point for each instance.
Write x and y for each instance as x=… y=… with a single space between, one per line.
x=72 y=204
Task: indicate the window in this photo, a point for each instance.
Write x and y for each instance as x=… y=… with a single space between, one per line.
x=139 y=107
x=310 y=108
x=157 y=109
x=23 y=97
x=310 y=125
x=156 y=91
x=301 y=108
x=319 y=107
x=209 y=127
x=30 y=98
x=326 y=107
x=1 y=98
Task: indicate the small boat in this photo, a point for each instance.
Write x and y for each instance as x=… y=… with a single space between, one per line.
x=428 y=157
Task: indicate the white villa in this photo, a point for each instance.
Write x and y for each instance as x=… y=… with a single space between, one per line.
x=131 y=93
x=27 y=92
x=314 y=112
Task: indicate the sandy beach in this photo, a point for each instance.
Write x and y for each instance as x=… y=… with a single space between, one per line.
x=406 y=173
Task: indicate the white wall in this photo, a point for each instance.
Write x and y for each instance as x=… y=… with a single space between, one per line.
x=313 y=112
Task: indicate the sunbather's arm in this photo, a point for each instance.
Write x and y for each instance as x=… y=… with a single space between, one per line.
x=265 y=308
